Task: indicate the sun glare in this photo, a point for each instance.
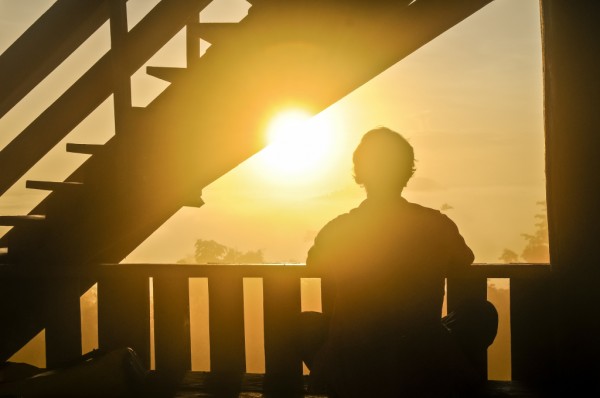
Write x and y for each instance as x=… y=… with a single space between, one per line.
x=298 y=145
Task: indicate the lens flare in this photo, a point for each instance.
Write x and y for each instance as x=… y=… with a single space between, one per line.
x=298 y=145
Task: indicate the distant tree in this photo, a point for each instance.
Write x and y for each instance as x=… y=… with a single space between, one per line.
x=537 y=249
x=446 y=206
x=508 y=256
x=210 y=251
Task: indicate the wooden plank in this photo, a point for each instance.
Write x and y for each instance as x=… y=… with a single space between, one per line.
x=196 y=202
x=282 y=305
x=532 y=318
x=571 y=87
x=212 y=32
x=192 y=43
x=226 y=324
x=13 y=221
x=53 y=185
x=124 y=315
x=45 y=44
x=120 y=62
x=147 y=37
x=464 y=289
x=172 y=344
x=327 y=296
x=63 y=324
x=165 y=73
x=86 y=149
x=261 y=270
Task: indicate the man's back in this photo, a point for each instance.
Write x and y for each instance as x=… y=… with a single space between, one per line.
x=387 y=260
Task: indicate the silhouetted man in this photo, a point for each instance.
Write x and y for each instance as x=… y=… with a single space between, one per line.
x=388 y=259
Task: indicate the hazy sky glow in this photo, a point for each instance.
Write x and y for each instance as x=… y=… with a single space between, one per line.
x=470 y=102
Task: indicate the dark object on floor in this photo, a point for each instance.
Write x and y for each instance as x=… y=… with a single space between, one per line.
x=115 y=374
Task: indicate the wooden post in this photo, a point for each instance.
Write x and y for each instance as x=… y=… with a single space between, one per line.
x=282 y=305
x=226 y=324
x=124 y=314
x=63 y=325
x=571 y=95
x=468 y=288
x=532 y=321
x=172 y=345
x=121 y=76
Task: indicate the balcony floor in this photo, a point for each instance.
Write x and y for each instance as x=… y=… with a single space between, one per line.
x=202 y=385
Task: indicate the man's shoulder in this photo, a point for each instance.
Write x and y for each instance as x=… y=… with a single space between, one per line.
x=425 y=211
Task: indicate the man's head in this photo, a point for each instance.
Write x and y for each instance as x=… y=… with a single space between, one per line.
x=383 y=160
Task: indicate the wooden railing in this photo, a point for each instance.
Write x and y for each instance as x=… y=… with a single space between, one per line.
x=123 y=319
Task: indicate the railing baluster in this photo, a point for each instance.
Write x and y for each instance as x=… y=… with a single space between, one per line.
x=460 y=289
x=63 y=328
x=172 y=325
x=283 y=362
x=532 y=318
x=226 y=324
x=124 y=314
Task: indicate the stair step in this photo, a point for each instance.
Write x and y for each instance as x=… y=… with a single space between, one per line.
x=87 y=149
x=211 y=31
x=52 y=185
x=165 y=73
x=194 y=202
x=13 y=221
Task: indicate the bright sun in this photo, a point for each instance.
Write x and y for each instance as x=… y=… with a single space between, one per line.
x=298 y=145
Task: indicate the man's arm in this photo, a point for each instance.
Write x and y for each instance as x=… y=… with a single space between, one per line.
x=460 y=256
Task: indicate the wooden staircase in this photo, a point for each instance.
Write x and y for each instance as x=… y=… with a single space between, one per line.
x=210 y=119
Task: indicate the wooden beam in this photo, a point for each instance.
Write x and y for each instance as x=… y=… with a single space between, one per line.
x=212 y=32
x=124 y=315
x=167 y=74
x=86 y=149
x=172 y=344
x=63 y=325
x=283 y=360
x=45 y=44
x=147 y=37
x=53 y=185
x=533 y=330
x=572 y=122
x=120 y=61
x=226 y=324
x=461 y=290
x=13 y=221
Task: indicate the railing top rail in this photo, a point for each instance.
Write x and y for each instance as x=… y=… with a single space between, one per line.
x=245 y=270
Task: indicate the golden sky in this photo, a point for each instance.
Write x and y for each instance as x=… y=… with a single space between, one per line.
x=470 y=102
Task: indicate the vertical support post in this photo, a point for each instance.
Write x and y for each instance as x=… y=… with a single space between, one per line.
x=124 y=314
x=532 y=312
x=327 y=296
x=172 y=344
x=570 y=32
x=460 y=290
x=192 y=41
x=226 y=328
x=282 y=305
x=63 y=326
x=121 y=77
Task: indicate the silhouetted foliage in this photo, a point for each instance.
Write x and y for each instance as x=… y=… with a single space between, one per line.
x=537 y=248
x=446 y=207
x=210 y=251
x=509 y=256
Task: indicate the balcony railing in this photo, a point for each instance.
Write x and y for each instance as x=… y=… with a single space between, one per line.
x=124 y=313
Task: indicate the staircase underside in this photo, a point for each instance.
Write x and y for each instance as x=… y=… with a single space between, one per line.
x=209 y=120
